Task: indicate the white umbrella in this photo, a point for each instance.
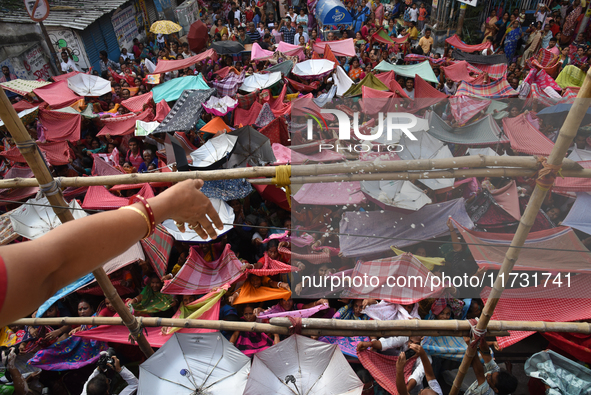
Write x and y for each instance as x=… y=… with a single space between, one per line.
x=195 y=364
x=341 y=81
x=426 y=147
x=145 y=128
x=260 y=81
x=34 y=221
x=89 y=85
x=400 y=194
x=213 y=150
x=313 y=67
x=224 y=211
x=300 y=365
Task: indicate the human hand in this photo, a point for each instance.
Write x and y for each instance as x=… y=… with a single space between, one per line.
x=184 y=202
x=298 y=289
x=321 y=301
x=400 y=362
x=417 y=348
x=117 y=367
x=450 y=225
x=283 y=285
x=75 y=330
x=362 y=346
x=257 y=311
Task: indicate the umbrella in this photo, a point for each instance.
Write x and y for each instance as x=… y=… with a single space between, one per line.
x=395 y=194
x=426 y=147
x=27 y=116
x=299 y=365
x=557 y=114
x=191 y=364
x=227 y=47
x=273 y=194
x=224 y=211
x=197 y=36
x=89 y=85
x=252 y=149
x=165 y=27
x=215 y=150
x=313 y=68
x=220 y=107
x=34 y=221
x=260 y=81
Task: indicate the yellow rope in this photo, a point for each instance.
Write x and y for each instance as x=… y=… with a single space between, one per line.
x=282 y=179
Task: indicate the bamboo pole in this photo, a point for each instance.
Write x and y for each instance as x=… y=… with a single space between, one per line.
x=32 y=155
x=434 y=174
x=565 y=137
x=328 y=327
x=441 y=325
x=367 y=168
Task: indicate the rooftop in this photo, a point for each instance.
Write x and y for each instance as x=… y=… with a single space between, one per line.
x=74 y=14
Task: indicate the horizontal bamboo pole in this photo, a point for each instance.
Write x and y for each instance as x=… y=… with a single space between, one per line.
x=443 y=325
x=368 y=168
x=328 y=327
x=431 y=174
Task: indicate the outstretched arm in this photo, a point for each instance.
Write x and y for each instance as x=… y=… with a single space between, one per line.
x=36 y=269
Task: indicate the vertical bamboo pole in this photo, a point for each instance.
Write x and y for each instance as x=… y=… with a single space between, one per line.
x=30 y=151
x=565 y=137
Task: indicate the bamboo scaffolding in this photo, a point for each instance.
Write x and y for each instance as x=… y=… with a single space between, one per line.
x=565 y=137
x=32 y=155
x=328 y=327
x=432 y=174
x=520 y=166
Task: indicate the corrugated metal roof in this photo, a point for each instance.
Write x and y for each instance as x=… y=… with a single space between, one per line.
x=74 y=14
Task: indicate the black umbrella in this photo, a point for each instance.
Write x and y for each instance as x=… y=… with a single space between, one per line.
x=557 y=114
x=227 y=47
x=252 y=148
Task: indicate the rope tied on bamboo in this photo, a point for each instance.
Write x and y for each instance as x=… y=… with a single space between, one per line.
x=134 y=335
x=283 y=179
x=477 y=334
x=52 y=188
x=296 y=325
x=547 y=174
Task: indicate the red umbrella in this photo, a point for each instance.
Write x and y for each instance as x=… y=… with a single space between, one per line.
x=273 y=194
x=197 y=36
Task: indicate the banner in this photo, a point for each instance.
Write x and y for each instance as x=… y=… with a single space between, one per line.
x=125 y=26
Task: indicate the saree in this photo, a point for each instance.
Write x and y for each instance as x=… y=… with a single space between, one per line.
x=250 y=294
x=348 y=345
x=489 y=31
x=570 y=22
x=153 y=302
x=196 y=309
x=69 y=354
x=251 y=343
x=511 y=43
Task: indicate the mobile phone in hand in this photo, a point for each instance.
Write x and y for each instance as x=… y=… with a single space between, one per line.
x=409 y=353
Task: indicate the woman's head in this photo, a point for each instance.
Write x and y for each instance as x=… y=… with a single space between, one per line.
x=287 y=305
x=109 y=305
x=249 y=313
x=188 y=299
x=445 y=314
x=155 y=283
x=95 y=143
x=85 y=309
x=255 y=281
x=272 y=249
x=52 y=311
x=357 y=307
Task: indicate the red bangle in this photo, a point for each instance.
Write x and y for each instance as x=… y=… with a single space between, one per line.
x=149 y=211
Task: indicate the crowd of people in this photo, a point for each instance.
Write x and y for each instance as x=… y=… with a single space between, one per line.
x=518 y=70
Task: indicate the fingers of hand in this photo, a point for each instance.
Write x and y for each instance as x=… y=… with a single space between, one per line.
x=199 y=230
x=213 y=216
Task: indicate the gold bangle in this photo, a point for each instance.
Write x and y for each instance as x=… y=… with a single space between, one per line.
x=143 y=215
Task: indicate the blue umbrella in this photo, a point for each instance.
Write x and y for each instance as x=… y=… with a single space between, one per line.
x=559 y=112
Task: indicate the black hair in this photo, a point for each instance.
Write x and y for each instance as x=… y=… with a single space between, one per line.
x=103 y=53
x=506 y=383
x=267 y=35
x=272 y=243
x=428 y=29
x=553 y=39
x=98 y=385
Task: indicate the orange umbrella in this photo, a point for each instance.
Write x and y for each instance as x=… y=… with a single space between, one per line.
x=217 y=124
